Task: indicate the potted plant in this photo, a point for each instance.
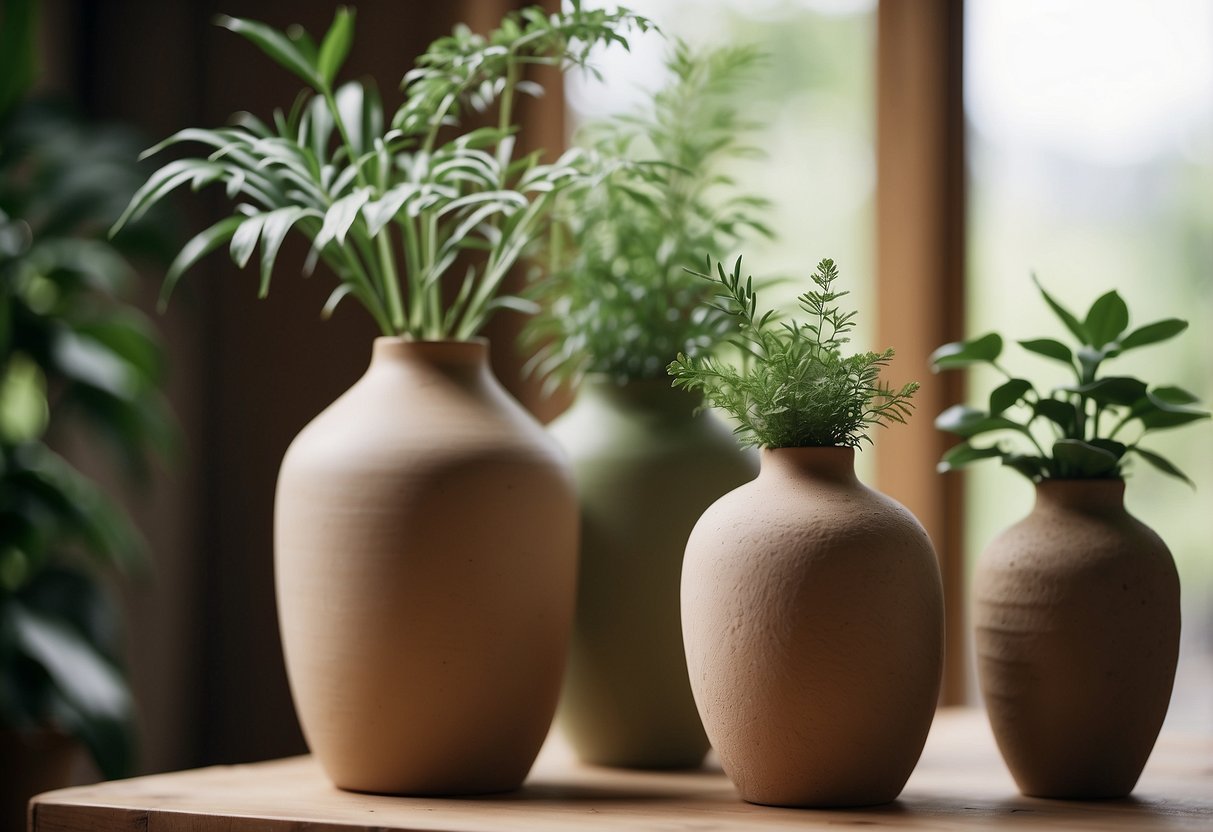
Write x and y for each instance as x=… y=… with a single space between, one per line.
x=425 y=525
x=73 y=355
x=1076 y=607
x=619 y=306
x=812 y=606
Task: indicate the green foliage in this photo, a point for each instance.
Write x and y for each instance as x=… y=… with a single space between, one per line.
x=71 y=350
x=380 y=197
x=1074 y=431
x=621 y=300
x=795 y=388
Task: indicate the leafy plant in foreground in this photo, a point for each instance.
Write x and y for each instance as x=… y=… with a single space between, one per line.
x=72 y=351
x=621 y=300
x=390 y=205
x=795 y=388
x=1076 y=430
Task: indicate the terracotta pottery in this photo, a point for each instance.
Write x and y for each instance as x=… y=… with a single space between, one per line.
x=425 y=551
x=1077 y=615
x=646 y=468
x=812 y=610
x=32 y=762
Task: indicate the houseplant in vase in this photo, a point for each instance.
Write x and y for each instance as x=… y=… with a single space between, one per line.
x=1076 y=607
x=619 y=306
x=75 y=356
x=812 y=606
x=425 y=525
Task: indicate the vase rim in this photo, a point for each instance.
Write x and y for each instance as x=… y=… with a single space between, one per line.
x=471 y=353
x=828 y=461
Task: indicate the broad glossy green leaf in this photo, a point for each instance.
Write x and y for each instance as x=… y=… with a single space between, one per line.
x=1049 y=348
x=1077 y=459
x=1064 y=315
x=88 y=361
x=1058 y=412
x=83 y=677
x=1032 y=467
x=967 y=422
x=1106 y=320
x=276 y=45
x=959 y=456
x=985 y=348
x=1162 y=464
x=198 y=247
x=1110 y=390
x=1166 y=407
x=1153 y=333
x=24 y=411
x=336 y=45
x=1007 y=394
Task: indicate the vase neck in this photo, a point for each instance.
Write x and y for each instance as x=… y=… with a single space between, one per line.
x=654 y=396
x=831 y=464
x=1081 y=495
x=466 y=361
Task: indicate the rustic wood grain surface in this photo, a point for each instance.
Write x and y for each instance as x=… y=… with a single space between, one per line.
x=959 y=784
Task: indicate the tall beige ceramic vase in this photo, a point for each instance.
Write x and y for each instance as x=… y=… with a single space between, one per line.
x=425 y=549
x=1077 y=616
x=646 y=467
x=813 y=616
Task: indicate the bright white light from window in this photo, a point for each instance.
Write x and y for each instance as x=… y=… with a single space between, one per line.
x=1115 y=81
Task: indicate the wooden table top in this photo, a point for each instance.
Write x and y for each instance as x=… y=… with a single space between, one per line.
x=960 y=783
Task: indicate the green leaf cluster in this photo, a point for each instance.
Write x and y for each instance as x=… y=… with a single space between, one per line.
x=387 y=203
x=1086 y=429
x=71 y=351
x=620 y=300
x=795 y=387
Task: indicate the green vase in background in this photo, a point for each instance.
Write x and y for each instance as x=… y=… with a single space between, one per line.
x=646 y=467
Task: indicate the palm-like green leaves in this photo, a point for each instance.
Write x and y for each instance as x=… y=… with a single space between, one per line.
x=795 y=387
x=390 y=210
x=621 y=300
x=1078 y=430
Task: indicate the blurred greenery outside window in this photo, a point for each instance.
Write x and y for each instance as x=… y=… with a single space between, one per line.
x=1091 y=169
x=1091 y=163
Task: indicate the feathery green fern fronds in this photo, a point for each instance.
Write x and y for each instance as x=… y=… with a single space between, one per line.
x=621 y=301
x=794 y=388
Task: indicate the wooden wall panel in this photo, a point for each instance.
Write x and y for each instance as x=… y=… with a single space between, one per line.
x=920 y=227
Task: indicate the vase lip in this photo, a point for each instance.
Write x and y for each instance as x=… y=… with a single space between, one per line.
x=1075 y=483
x=827 y=460
x=1081 y=493
x=470 y=351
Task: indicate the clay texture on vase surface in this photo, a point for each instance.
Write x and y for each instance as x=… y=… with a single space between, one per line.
x=646 y=467
x=1076 y=609
x=425 y=556
x=812 y=611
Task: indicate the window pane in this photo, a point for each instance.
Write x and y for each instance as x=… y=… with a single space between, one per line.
x=1091 y=154
x=813 y=101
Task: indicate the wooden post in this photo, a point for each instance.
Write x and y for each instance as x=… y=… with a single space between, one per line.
x=920 y=224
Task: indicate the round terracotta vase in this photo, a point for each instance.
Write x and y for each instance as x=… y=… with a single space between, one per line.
x=812 y=610
x=1077 y=614
x=425 y=553
x=646 y=468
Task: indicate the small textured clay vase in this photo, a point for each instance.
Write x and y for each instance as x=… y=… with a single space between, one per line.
x=425 y=556
x=812 y=610
x=1077 y=614
x=646 y=468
